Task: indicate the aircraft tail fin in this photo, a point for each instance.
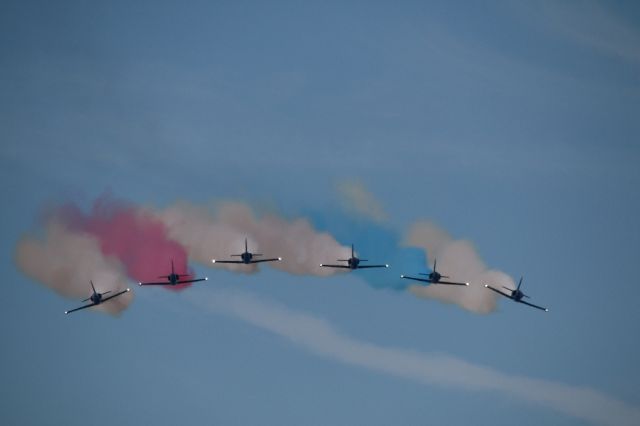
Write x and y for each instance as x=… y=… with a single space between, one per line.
x=92 y=287
x=520 y=283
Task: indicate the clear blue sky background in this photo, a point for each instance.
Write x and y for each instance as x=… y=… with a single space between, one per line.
x=514 y=126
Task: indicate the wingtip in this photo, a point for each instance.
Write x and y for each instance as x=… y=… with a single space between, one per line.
x=321 y=264
x=279 y=259
x=213 y=261
x=546 y=310
x=386 y=266
x=66 y=312
x=467 y=284
x=128 y=290
x=206 y=278
x=486 y=286
x=140 y=284
x=401 y=276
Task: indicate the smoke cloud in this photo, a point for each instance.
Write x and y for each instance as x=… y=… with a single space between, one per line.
x=357 y=199
x=145 y=240
x=461 y=261
x=65 y=261
x=457 y=258
x=320 y=338
x=217 y=233
x=132 y=235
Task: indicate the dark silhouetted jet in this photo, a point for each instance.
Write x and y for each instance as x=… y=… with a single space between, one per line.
x=516 y=295
x=353 y=263
x=247 y=257
x=433 y=277
x=97 y=298
x=175 y=279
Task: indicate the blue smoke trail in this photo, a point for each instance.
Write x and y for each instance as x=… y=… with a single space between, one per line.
x=375 y=242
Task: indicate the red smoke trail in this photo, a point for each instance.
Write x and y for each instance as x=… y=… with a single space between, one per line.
x=138 y=240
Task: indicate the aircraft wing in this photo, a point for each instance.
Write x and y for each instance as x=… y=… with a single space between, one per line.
x=424 y=280
x=191 y=281
x=372 y=266
x=534 y=306
x=498 y=291
x=161 y=283
x=81 y=307
x=266 y=260
x=451 y=283
x=115 y=295
x=227 y=261
x=335 y=266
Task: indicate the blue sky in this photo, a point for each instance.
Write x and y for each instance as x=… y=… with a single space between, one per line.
x=512 y=126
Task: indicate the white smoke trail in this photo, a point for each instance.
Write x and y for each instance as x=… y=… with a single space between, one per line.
x=208 y=234
x=356 y=198
x=320 y=338
x=65 y=261
x=460 y=260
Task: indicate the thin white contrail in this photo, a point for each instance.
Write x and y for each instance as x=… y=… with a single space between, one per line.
x=321 y=338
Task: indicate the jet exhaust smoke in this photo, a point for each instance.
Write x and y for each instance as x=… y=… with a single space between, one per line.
x=145 y=241
x=322 y=339
x=217 y=233
x=459 y=259
x=132 y=235
x=65 y=261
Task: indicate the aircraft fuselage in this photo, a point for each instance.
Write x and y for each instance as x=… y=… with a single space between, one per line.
x=246 y=257
x=517 y=295
x=96 y=298
x=353 y=262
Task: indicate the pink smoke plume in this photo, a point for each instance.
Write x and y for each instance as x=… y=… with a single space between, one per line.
x=131 y=235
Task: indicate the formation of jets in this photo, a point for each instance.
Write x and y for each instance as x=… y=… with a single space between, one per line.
x=352 y=263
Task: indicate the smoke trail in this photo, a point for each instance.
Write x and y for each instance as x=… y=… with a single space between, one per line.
x=320 y=338
x=211 y=234
x=65 y=261
x=145 y=240
x=460 y=260
x=408 y=255
x=357 y=199
x=132 y=235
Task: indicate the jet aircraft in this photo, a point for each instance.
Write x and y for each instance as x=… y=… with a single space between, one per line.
x=516 y=295
x=247 y=257
x=174 y=279
x=97 y=298
x=353 y=263
x=434 y=277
